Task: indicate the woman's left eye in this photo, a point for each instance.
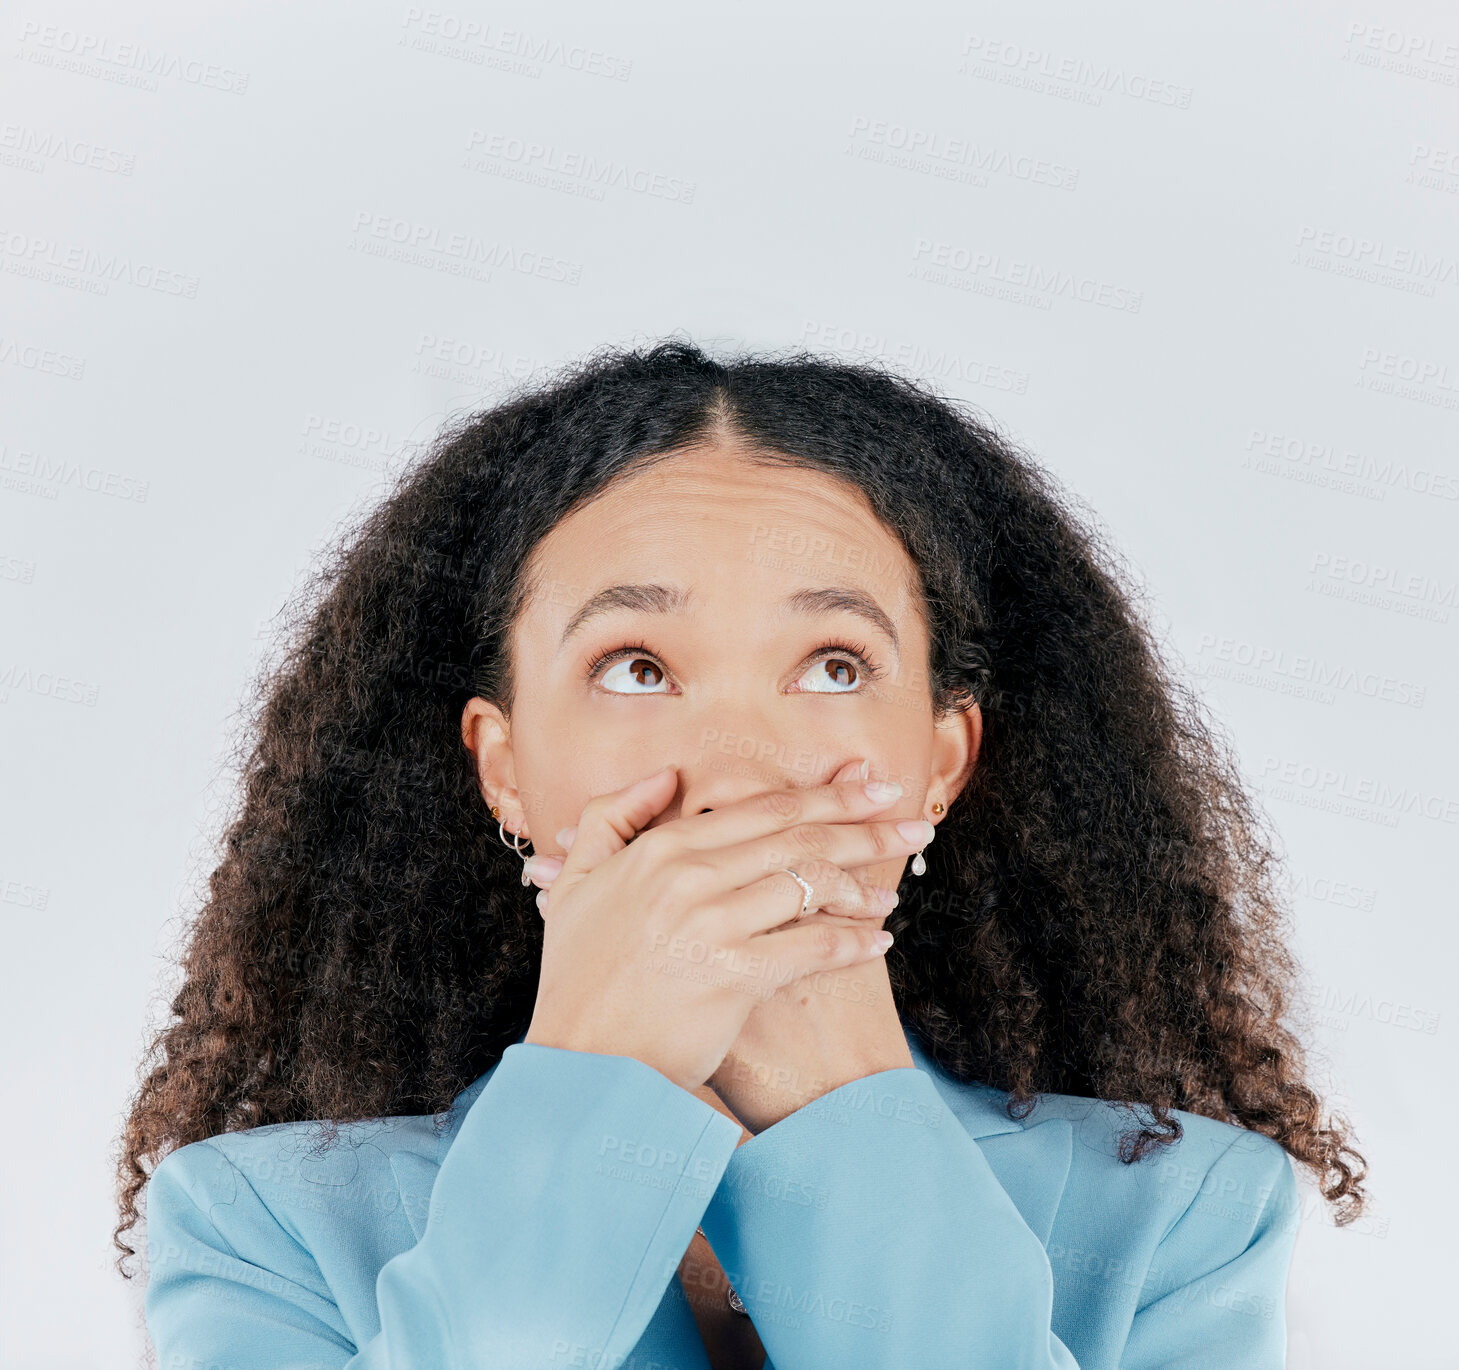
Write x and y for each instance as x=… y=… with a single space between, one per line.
x=838 y=666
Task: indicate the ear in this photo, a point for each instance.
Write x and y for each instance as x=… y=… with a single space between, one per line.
x=487 y=735
x=958 y=738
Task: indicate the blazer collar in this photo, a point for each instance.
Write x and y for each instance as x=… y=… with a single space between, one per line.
x=464 y=1100
x=978 y=1107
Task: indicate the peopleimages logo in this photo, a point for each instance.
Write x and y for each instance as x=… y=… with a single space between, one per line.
x=1336 y=791
x=1378 y=586
x=915 y=356
x=557 y=168
x=437 y=31
x=1068 y=77
x=925 y=149
x=99 y=54
x=385 y=235
x=1305 y=457
x=950 y=263
x=1374 y=260
x=1254 y=662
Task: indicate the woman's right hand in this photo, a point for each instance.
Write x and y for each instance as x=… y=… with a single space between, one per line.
x=659 y=941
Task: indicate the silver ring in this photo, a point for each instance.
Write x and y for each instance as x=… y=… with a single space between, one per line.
x=805 y=902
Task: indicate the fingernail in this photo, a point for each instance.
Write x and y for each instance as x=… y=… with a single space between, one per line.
x=565 y=837
x=888 y=897
x=881 y=791
x=883 y=939
x=542 y=867
x=916 y=830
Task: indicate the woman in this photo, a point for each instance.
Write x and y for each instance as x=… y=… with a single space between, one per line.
x=595 y=641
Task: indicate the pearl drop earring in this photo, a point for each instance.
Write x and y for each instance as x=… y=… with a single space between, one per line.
x=919 y=865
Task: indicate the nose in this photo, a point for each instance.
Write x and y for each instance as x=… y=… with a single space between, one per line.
x=705 y=791
x=727 y=753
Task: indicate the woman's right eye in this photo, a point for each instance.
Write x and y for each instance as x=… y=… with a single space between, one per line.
x=630 y=671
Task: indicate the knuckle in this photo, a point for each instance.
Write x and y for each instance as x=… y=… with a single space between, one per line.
x=811 y=838
x=657 y=848
x=830 y=878
x=694 y=868
x=650 y=842
x=881 y=838
x=825 y=941
x=784 y=806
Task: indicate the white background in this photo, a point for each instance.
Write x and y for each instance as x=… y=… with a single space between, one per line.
x=1201 y=262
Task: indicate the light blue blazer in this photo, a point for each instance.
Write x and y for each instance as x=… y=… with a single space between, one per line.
x=900 y=1222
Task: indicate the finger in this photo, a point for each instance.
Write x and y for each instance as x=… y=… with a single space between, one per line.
x=777 y=899
x=852 y=771
x=839 y=894
x=771 y=960
x=846 y=802
x=541 y=869
x=611 y=821
x=851 y=846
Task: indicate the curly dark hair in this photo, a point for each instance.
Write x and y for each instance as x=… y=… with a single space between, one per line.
x=1100 y=915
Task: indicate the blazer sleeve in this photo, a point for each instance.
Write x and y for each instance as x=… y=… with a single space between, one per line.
x=867 y=1229
x=558 y=1217
x=1215 y=1293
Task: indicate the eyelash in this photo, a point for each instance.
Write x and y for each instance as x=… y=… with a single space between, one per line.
x=834 y=647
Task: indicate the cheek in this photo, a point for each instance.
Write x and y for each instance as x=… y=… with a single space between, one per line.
x=556 y=778
x=548 y=811
x=554 y=769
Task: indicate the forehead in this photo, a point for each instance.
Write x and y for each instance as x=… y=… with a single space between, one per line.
x=708 y=511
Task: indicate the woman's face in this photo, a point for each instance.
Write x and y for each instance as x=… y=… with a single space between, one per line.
x=711 y=614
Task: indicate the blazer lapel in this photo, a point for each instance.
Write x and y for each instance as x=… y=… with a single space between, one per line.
x=1030 y=1161
x=415 y=1176
x=1033 y=1166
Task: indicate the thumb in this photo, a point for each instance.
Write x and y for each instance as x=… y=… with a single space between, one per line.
x=610 y=822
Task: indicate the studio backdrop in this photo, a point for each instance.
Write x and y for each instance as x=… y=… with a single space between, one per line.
x=1203 y=263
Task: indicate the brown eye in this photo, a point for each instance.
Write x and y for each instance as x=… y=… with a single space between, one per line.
x=632 y=675
x=640 y=667
x=836 y=673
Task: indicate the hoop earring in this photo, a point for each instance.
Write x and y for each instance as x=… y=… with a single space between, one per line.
x=514 y=844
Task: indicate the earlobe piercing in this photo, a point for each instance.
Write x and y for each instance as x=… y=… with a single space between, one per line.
x=514 y=844
x=919 y=865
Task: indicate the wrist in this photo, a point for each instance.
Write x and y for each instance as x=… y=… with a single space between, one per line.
x=761 y=1095
x=709 y=1096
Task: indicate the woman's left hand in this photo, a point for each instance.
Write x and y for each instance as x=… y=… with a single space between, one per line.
x=816 y=1034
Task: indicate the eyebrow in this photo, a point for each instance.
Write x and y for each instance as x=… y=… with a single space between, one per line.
x=672 y=599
